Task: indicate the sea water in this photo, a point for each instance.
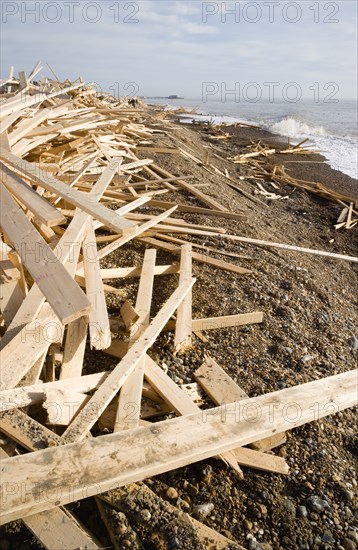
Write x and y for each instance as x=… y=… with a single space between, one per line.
x=332 y=128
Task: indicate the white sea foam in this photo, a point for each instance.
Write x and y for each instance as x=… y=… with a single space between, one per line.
x=293 y=128
x=341 y=152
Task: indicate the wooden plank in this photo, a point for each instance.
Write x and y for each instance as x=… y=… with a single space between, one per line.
x=129 y=314
x=58 y=528
x=105 y=393
x=216 y=323
x=127 y=272
x=194 y=191
x=74 y=348
x=117 y=459
x=62 y=292
x=62 y=407
x=18 y=356
x=76 y=198
x=99 y=329
x=40 y=207
x=129 y=404
x=183 y=325
x=202 y=258
x=313 y=251
x=25 y=396
x=222 y=389
x=11 y=294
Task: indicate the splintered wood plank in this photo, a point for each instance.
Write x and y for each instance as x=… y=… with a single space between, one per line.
x=81 y=200
x=41 y=208
x=11 y=294
x=74 y=348
x=25 y=396
x=87 y=417
x=129 y=404
x=62 y=407
x=202 y=258
x=128 y=314
x=114 y=460
x=222 y=389
x=18 y=356
x=58 y=528
x=99 y=329
x=294 y=248
x=183 y=326
x=180 y=401
x=62 y=292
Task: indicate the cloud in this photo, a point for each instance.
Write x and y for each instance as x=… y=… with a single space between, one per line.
x=171 y=49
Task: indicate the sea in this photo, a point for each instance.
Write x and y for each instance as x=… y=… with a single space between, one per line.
x=331 y=128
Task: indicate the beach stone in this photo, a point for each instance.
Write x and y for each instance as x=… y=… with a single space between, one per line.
x=203 y=510
x=327 y=537
x=301 y=511
x=348 y=544
x=353 y=535
x=144 y=515
x=172 y=493
x=349 y=495
x=353 y=342
x=317 y=504
x=290 y=507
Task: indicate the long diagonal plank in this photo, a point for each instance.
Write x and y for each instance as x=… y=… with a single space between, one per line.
x=129 y=403
x=87 y=417
x=183 y=326
x=41 y=208
x=222 y=389
x=74 y=197
x=63 y=294
x=96 y=465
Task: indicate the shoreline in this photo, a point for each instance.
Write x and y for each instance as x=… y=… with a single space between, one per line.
x=349 y=182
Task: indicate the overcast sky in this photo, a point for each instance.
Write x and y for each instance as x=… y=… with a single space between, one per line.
x=173 y=47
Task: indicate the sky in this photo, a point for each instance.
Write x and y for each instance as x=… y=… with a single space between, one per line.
x=190 y=48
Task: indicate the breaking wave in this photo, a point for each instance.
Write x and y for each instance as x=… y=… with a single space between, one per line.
x=293 y=128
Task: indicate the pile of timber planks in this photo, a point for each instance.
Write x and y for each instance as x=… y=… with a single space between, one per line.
x=68 y=168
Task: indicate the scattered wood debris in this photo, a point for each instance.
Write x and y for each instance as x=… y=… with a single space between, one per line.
x=69 y=167
x=264 y=169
